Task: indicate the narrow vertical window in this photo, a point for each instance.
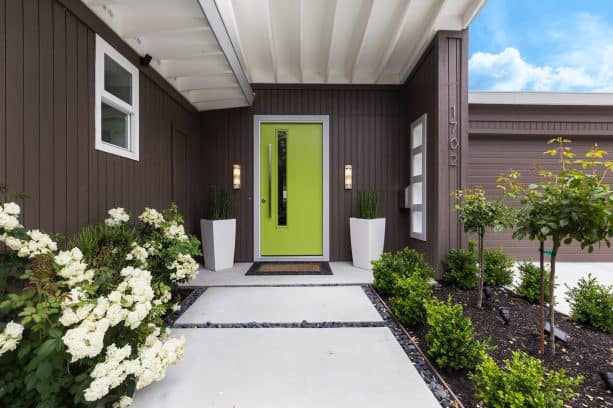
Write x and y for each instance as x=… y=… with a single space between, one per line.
x=116 y=102
x=418 y=140
x=282 y=178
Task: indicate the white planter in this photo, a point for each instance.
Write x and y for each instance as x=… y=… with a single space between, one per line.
x=218 y=240
x=367 y=239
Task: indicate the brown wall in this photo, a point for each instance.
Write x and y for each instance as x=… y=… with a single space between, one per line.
x=515 y=137
x=438 y=87
x=368 y=129
x=47 y=125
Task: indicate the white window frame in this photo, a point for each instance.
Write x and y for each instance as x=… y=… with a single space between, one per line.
x=132 y=152
x=423 y=121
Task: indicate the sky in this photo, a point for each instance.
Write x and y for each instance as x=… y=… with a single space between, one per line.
x=542 y=45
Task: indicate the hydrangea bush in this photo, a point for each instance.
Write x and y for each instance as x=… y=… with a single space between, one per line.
x=84 y=325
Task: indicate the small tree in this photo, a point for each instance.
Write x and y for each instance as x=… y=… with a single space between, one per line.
x=477 y=214
x=570 y=204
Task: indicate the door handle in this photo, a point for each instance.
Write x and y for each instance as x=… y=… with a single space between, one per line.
x=270 y=181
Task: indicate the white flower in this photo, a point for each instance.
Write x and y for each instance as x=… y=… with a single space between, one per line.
x=38 y=244
x=74 y=270
x=86 y=340
x=12 y=209
x=175 y=231
x=118 y=216
x=155 y=356
x=123 y=402
x=8 y=222
x=176 y=307
x=186 y=268
x=152 y=217
x=10 y=337
x=139 y=254
x=111 y=372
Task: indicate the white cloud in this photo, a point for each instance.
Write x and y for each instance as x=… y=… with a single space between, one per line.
x=577 y=59
x=508 y=71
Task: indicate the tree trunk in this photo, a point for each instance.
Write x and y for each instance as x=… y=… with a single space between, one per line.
x=552 y=275
x=481 y=271
x=542 y=300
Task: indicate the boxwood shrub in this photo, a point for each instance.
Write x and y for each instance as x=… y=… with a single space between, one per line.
x=498 y=269
x=409 y=296
x=460 y=268
x=530 y=281
x=391 y=266
x=451 y=336
x=522 y=382
x=592 y=304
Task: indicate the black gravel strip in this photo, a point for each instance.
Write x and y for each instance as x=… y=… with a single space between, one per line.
x=170 y=320
x=416 y=357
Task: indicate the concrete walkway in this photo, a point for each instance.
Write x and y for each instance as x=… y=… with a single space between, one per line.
x=353 y=366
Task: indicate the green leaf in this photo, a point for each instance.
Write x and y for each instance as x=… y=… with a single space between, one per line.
x=545 y=230
x=46 y=348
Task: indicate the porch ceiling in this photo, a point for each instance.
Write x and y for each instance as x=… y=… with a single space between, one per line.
x=338 y=41
x=189 y=45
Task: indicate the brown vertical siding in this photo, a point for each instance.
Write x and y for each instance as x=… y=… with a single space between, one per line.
x=47 y=150
x=515 y=137
x=368 y=129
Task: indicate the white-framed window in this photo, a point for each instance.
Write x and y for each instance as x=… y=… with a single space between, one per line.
x=116 y=102
x=418 y=178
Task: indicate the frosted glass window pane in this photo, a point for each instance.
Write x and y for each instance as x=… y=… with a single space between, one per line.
x=416 y=193
x=416 y=164
x=417 y=136
x=416 y=222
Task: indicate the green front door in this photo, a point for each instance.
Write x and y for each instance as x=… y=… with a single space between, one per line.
x=291 y=189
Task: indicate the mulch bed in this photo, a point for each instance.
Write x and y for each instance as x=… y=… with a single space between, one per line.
x=587 y=352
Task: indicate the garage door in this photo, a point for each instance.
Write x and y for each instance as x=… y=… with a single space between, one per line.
x=491 y=155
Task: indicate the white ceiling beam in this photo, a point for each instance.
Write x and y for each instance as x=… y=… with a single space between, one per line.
x=362 y=25
x=392 y=41
x=300 y=42
x=472 y=11
x=231 y=103
x=211 y=88
x=144 y=33
x=226 y=8
x=271 y=42
x=216 y=23
x=335 y=12
x=187 y=57
x=426 y=36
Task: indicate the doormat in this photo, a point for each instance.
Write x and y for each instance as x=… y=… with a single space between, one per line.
x=289 y=268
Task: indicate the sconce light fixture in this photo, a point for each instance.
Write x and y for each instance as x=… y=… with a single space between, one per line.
x=236 y=176
x=348 y=177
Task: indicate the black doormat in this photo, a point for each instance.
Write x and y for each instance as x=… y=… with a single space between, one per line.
x=289 y=268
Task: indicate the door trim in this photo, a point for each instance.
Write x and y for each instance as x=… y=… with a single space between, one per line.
x=257 y=121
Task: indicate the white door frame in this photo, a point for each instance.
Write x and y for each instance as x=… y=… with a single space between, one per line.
x=257 y=121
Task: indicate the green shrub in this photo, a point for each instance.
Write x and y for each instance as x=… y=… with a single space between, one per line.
x=392 y=266
x=451 y=337
x=368 y=203
x=592 y=304
x=530 y=281
x=523 y=382
x=410 y=294
x=460 y=267
x=498 y=268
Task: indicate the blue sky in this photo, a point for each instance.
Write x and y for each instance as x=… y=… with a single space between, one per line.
x=542 y=45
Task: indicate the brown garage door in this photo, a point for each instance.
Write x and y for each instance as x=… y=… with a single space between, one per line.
x=490 y=155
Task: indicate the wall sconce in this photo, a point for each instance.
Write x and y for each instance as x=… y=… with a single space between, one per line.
x=236 y=176
x=348 y=177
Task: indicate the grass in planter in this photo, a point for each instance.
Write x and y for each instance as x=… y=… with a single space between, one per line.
x=530 y=281
x=219 y=203
x=368 y=203
x=498 y=268
x=523 y=381
x=592 y=304
x=451 y=337
x=461 y=267
x=393 y=266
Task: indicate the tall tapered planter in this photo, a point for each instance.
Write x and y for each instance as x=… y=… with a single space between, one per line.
x=367 y=239
x=218 y=242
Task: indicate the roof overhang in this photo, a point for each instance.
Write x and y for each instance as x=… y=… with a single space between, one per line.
x=189 y=44
x=338 y=41
x=540 y=98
